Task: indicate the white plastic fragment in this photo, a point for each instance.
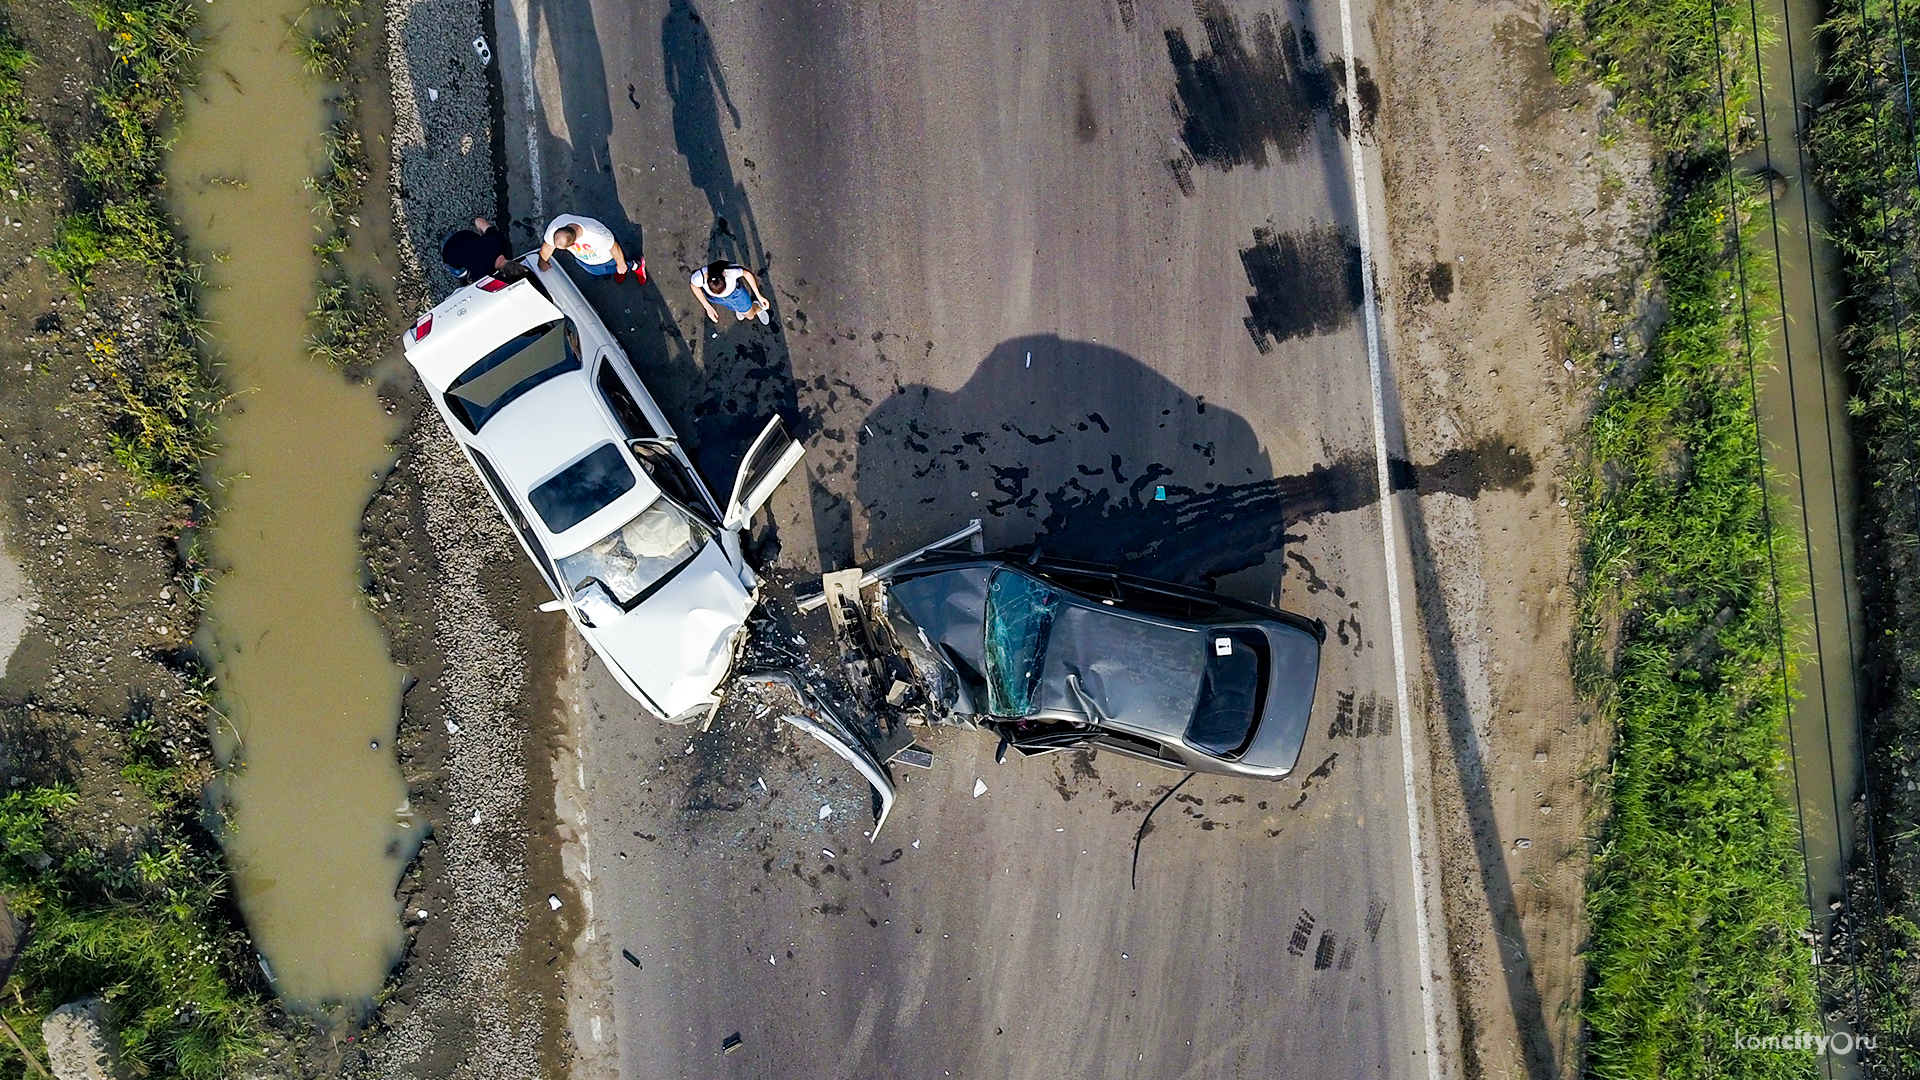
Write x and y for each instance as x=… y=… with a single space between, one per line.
x=828 y=852
x=979 y=787
x=553 y=901
x=825 y=812
x=916 y=845
x=433 y=93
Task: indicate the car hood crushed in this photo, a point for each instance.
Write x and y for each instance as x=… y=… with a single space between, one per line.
x=680 y=640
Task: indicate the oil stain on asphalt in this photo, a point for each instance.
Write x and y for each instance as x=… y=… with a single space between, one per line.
x=1235 y=101
x=1304 y=283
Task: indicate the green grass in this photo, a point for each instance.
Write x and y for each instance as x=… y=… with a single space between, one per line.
x=1695 y=900
x=163 y=398
x=350 y=327
x=1863 y=165
x=149 y=927
x=146 y=935
x=15 y=123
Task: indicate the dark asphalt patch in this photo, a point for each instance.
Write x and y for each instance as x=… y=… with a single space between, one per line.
x=1086 y=126
x=1362 y=102
x=1235 y=101
x=1303 y=283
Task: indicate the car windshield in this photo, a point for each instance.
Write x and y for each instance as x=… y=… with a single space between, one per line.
x=510 y=370
x=582 y=489
x=1232 y=691
x=1020 y=613
x=640 y=554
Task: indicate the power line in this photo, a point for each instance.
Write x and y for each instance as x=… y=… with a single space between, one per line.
x=1840 y=833
x=1766 y=512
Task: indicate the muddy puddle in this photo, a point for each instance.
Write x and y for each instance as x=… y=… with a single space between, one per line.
x=318 y=828
x=1804 y=429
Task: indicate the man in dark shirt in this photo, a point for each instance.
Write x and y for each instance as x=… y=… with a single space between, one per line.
x=475 y=253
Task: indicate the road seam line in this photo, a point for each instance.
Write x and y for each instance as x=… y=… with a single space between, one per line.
x=1383 y=474
x=529 y=101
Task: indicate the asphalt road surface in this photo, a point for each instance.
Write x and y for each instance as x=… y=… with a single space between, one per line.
x=1087 y=271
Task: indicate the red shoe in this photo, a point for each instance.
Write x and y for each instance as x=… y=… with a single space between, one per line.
x=640 y=271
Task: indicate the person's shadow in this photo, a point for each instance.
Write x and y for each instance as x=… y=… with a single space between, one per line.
x=698 y=89
x=720 y=387
x=744 y=370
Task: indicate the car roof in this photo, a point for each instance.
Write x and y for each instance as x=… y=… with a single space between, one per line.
x=549 y=428
x=1145 y=672
x=543 y=430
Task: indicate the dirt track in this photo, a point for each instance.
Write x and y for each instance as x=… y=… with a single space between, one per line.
x=1518 y=233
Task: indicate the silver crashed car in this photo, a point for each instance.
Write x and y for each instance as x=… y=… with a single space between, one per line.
x=1055 y=655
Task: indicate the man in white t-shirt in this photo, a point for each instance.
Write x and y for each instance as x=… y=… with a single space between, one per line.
x=592 y=246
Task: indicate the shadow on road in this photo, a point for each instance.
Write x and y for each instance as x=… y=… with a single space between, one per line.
x=1093 y=455
x=699 y=91
x=718 y=388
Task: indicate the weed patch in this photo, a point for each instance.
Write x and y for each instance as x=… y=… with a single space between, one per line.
x=1695 y=899
x=350 y=328
x=1862 y=151
x=107 y=860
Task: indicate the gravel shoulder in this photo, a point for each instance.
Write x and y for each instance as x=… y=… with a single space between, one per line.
x=476 y=995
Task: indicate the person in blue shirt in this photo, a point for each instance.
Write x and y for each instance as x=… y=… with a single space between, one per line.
x=733 y=287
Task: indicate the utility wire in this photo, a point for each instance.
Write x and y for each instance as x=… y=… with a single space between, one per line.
x=1760 y=462
x=1840 y=836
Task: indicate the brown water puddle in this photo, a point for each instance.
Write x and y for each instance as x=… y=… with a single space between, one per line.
x=1804 y=428
x=319 y=829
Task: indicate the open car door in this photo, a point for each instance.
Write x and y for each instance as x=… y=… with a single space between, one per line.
x=772 y=456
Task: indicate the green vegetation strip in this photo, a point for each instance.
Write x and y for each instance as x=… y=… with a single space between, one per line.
x=1863 y=158
x=350 y=328
x=141 y=918
x=164 y=400
x=1696 y=897
x=154 y=934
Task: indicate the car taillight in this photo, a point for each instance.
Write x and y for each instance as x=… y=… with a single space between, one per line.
x=490 y=284
x=424 y=327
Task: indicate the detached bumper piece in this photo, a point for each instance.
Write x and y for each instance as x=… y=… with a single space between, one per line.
x=818 y=720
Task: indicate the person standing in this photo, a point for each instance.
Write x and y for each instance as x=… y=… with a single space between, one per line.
x=592 y=246
x=733 y=287
x=474 y=253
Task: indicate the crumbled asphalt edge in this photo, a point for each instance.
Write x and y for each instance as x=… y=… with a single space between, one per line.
x=466 y=1008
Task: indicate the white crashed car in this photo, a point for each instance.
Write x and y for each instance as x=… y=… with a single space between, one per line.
x=587 y=471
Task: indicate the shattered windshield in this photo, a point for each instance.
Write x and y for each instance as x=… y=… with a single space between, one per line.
x=1019 y=618
x=640 y=554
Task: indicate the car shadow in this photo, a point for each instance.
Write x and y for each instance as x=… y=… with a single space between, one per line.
x=1090 y=454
